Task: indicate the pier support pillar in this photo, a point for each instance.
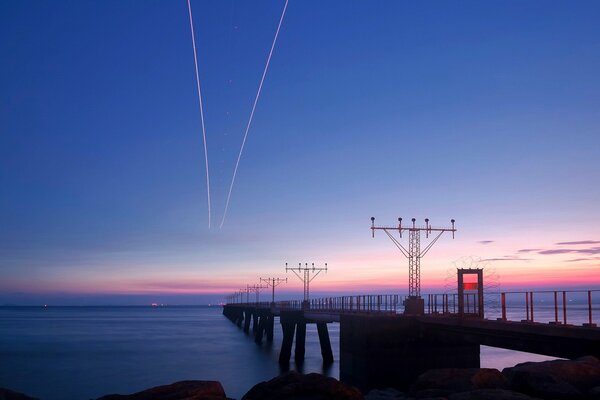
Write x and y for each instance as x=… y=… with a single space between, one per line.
x=258 y=333
x=239 y=318
x=254 y=321
x=247 y=316
x=269 y=328
x=392 y=351
x=300 y=341
x=325 y=343
x=288 y=328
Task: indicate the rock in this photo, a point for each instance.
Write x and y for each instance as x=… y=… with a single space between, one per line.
x=293 y=385
x=459 y=380
x=594 y=393
x=433 y=393
x=183 y=390
x=385 y=394
x=7 y=394
x=556 y=379
x=490 y=394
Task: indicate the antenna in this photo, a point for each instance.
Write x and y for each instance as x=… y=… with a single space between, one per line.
x=253 y=288
x=272 y=283
x=306 y=278
x=414 y=252
x=247 y=290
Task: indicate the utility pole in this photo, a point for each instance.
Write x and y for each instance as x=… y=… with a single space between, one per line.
x=234 y=297
x=306 y=278
x=253 y=288
x=272 y=283
x=414 y=304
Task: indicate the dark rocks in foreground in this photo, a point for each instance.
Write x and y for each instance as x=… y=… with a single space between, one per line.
x=552 y=380
x=557 y=379
x=183 y=390
x=293 y=385
x=6 y=394
x=450 y=380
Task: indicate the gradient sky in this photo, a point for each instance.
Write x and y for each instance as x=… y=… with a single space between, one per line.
x=485 y=112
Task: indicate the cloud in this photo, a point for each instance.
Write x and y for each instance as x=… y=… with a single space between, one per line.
x=555 y=251
x=589 y=250
x=528 y=250
x=507 y=258
x=485 y=241
x=582 y=259
x=580 y=242
x=585 y=250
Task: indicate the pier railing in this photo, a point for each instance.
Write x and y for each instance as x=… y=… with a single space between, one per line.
x=388 y=303
x=552 y=306
x=575 y=307
x=565 y=307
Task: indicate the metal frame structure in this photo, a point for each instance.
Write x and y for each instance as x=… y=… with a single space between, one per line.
x=414 y=252
x=306 y=278
x=273 y=283
x=478 y=306
x=253 y=288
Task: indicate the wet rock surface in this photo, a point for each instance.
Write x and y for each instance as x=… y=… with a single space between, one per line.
x=183 y=390
x=385 y=394
x=552 y=380
x=295 y=386
x=7 y=394
x=557 y=379
x=449 y=380
x=490 y=394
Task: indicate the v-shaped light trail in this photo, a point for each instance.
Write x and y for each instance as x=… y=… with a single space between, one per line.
x=237 y=164
x=201 y=112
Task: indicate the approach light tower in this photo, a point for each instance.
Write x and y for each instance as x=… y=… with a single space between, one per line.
x=247 y=290
x=272 y=283
x=414 y=304
x=306 y=278
x=253 y=288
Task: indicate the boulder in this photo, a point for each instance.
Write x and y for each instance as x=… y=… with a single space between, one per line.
x=490 y=394
x=7 y=394
x=385 y=394
x=183 y=390
x=556 y=379
x=295 y=386
x=594 y=393
x=452 y=380
x=433 y=393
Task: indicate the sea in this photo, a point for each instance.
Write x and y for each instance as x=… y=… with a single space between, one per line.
x=79 y=353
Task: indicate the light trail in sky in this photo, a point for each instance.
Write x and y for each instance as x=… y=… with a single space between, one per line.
x=201 y=112
x=237 y=164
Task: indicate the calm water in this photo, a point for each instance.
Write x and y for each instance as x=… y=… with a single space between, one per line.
x=75 y=353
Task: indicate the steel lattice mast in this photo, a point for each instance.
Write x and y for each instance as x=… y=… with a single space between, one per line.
x=306 y=278
x=253 y=288
x=414 y=252
x=272 y=283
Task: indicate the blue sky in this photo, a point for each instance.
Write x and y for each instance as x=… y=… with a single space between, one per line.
x=483 y=112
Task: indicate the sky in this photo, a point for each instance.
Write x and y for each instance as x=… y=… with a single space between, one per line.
x=485 y=112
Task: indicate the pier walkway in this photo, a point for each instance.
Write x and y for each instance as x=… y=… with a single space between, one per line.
x=379 y=344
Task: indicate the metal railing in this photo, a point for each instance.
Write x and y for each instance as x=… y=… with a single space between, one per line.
x=447 y=303
x=361 y=303
x=380 y=303
x=575 y=307
x=552 y=306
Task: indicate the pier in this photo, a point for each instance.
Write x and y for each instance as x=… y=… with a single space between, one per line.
x=389 y=340
x=382 y=346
